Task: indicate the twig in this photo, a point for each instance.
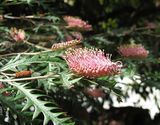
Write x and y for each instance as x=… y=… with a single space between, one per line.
x=6 y=16
x=37 y=46
x=13 y=54
x=35 y=53
x=19 y=18
x=7 y=74
x=12 y=17
x=26 y=79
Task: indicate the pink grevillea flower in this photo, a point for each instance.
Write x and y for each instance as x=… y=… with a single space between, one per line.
x=91 y=63
x=135 y=51
x=150 y=25
x=17 y=34
x=64 y=45
x=74 y=35
x=77 y=23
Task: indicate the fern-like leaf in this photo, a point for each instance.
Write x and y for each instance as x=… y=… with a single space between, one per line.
x=40 y=106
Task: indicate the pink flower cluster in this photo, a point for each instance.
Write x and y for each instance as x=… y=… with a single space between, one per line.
x=64 y=45
x=17 y=34
x=135 y=51
x=77 y=23
x=91 y=63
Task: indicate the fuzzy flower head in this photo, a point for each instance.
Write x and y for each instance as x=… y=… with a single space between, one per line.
x=91 y=63
x=17 y=35
x=77 y=23
x=64 y=45
x=135 y=51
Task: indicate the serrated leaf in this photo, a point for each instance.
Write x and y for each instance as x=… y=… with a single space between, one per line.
x=46 y=120
x=19 y=95
x=32 y=100
x=27 y=105
x=36 y=112
x=66 y=79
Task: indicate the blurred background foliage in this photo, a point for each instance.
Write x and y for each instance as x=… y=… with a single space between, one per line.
x=115 y=22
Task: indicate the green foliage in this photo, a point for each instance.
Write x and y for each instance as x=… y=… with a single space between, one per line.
x=40 y=106
x=53 y=94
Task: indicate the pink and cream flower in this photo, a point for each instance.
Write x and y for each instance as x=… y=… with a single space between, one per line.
x=17 y=35
x=77 y=23
x=91 y=63
x=135 y=51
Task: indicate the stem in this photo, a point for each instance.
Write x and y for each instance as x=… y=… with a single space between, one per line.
x=26 y=79
x=11 y=17
x=37 y=46
x=19 y=18
x=7 y=74
x=6 y=16
x=35 y=53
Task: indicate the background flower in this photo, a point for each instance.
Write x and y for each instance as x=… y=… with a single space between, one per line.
x=133 y=51
x=77 y=23
x=94 y=92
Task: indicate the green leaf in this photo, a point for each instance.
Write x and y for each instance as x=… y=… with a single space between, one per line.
x=66 y=79
x=41 y=106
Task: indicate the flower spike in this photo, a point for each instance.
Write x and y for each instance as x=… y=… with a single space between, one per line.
x=64 y=45
x=91 y=63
